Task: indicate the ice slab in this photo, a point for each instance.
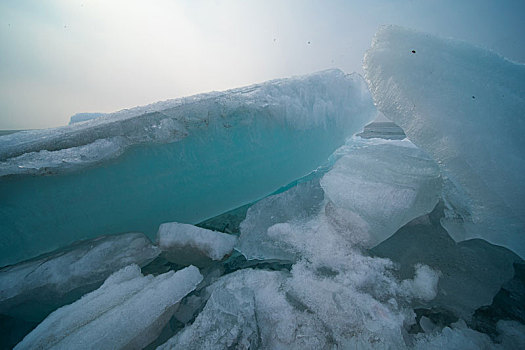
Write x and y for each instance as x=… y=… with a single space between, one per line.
x=465 y=107
x=182 y=160
x=127 y=312
x=33 y=288
x=186 y=244
x=379 y=187
x=323 y=99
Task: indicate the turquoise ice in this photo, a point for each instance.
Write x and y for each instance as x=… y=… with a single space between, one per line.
x=181 y=160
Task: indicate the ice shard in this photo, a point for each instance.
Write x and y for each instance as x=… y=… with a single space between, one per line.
x=465 y=106
x=180 y=160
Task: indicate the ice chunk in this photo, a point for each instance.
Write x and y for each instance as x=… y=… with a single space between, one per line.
x=379 y=187
x=465 y=107
x=128 y=311
x=33 y=288
x=82 y=117
x=191 y=245
x=182 y=160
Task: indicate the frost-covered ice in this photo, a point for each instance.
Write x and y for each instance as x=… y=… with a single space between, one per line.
x=180 y=160
x=30 y=288
x=336 y=296
x=191 y=245
x=127 y=312
x=465 y=107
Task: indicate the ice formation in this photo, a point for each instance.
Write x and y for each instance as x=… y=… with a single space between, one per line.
x=180 y=160
x=127 y=312
x=355 y=254
x=33 y=288
x=465 y=107
x=191 y=245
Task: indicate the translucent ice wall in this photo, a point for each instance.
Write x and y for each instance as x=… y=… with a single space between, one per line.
x=180 y=160
x=466 y=107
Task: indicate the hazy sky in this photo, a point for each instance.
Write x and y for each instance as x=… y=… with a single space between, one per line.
x=61 y=57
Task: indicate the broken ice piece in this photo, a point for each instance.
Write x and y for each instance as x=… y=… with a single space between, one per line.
x=186 y=244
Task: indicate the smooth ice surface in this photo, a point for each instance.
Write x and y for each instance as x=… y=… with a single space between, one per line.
x=182 y=243
x=30 y=288
x=465 y=106
x=127 y=312
x=180 y=160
